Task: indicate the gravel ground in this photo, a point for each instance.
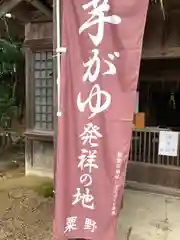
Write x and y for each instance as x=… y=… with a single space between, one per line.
x=24 y=215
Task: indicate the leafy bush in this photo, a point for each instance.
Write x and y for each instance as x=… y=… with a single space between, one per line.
x=46 y=190
x=10 y=55
x=7 y=107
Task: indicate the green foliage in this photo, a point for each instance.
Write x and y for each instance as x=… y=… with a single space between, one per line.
x=11 y=54
x=7 y=107
x=46 y=190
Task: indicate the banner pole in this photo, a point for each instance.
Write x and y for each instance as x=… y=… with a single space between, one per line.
x=56 y=75
x=58 y=52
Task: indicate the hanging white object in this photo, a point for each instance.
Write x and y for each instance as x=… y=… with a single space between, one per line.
x=168 y=143
x=8 y=15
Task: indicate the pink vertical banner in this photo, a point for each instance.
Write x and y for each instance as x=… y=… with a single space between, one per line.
x=99 y=75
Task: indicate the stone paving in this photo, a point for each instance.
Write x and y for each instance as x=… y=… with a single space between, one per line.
x=149 y=217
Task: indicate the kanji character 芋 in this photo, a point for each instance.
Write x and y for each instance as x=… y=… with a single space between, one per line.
x=100 y=7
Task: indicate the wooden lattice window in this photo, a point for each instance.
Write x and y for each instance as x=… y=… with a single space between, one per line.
x=43 y=92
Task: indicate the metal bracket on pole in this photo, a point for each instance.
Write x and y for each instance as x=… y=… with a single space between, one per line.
x=59 y=114
x=61 y=50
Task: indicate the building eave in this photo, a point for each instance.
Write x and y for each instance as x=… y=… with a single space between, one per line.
x=7 y=6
